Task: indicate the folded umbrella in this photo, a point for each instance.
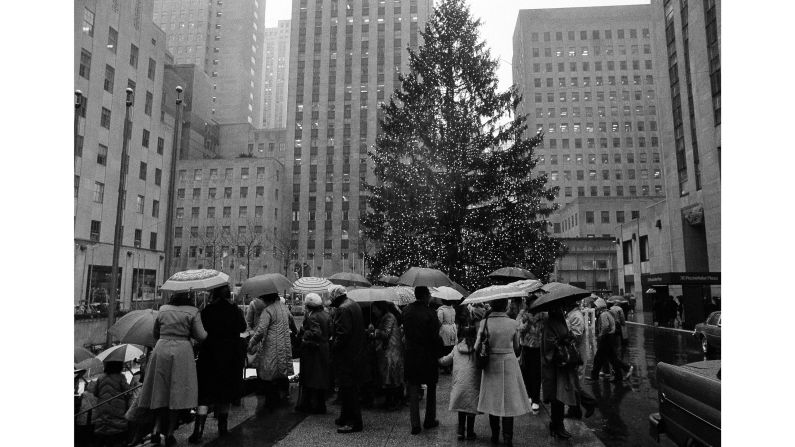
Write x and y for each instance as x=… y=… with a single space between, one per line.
x=265 y=284
x=372 y=295
x=421 y=276
x=311 y=284
x=136 y=327
x=120 y=353
x=204 y=279
x=349 y=279
x=558 y=296
x=492 y=293
x=528 y=285
x=445 y=293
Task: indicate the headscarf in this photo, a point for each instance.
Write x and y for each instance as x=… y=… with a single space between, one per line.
x=335 y=291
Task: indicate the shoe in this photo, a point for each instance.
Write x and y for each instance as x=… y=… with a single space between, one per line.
x=349 y=429
x=629 y=373
x=534 y=407
x=223 y=428
x=340 y=422
x=198 y=429
x=415 y=430
x=558 y=432
x=430 y=424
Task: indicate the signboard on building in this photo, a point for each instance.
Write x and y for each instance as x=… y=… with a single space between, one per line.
x=683 y=278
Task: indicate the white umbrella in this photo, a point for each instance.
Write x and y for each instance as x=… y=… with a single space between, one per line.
x=406 y=294
x=373 y=294
x=492 y=293
x=528 y=285
x=445 y=293
x=311 y=284
x=120 y=353
x=196 y=280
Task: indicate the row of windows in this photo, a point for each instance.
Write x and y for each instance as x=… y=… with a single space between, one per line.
x=242 y=212
x=604 y=217
x=598 y=82
x=104 y=122
x=579 y=159
x=590 y=143
x=228 y=174
x=590 y=51
x=208 y=251
x=595 y=34
x=539 y=97
x=227 y=193
x=597 y=66
x=99 y=197
x=618 y=174
x=210 y=231
x=96 y=229
x=568 y=191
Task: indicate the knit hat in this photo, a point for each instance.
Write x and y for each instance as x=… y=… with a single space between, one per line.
x=335 y=291
x=599 y=303
x=313 y=300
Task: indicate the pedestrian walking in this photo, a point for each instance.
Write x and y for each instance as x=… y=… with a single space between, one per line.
x=561 y=386
x=218 y=366
x=270 y=345
x=503 y=395
x=315 y=357
x=575 y=323
x=531 y=328
x=447 y=330
x=423 y=346
x=347 y=349
x=110 y=425
x=170 y=382
x=605 y=344
x=388 y=337
x=465 y=391
x=621 y=328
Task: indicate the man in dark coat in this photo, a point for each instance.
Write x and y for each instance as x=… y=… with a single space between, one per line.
x=315 y=359
x=423 y=348
x=347 y=348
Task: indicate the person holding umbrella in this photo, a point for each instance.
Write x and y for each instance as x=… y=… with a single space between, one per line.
x=218 y=367
x=315 y=357
x=270 y=344
x=389 y=353
x=170 y=383
x=347 y=349
x=531 y=326
x=447 y=329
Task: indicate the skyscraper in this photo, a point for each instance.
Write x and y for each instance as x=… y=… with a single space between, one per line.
x=587 y=76
x=275 y=75
x=225 y=37
x=345 y=57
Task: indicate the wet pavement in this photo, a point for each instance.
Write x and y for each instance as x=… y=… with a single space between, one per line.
x=623 y=411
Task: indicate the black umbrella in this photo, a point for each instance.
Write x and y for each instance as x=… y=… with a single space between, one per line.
x=562 y=294
x=421 y=276
x=512 y=274
x=389 y=279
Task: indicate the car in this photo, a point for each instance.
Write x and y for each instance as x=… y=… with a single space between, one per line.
x=690 y=404
x=708 y=333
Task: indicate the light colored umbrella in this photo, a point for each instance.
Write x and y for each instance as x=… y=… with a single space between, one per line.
x=136 y=327
x=445 y=293
x=464 y=292
x=512 y=273
x=617 y=299
x=372 y=295
x=120 y=353
x=196 y=280
x=406 y=294
x=82 y=354
x=528 y=285
x=92 y=366
x=548 y=287
x=389 y=279
x=311 y=284
x=349 y=279
x=421 y=276
x=265 y=284
x=560 y=294
x=492 y=293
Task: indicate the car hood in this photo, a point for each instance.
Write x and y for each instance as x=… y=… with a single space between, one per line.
x=706 y=368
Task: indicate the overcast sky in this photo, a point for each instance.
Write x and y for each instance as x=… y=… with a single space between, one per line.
x=498 y=17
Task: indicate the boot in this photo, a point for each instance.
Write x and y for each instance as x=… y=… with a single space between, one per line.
x=494 y=422
x=223 y=419
x=471 y=427
x=507 y=431
x=198 y=429
x=462 y=417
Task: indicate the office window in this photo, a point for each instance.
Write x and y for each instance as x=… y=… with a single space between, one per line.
x=226 y=212
x=148 y=104
x=151 y=70
x=211 y=193
x=113 y=39
x=142 y=171
x=145 y=138
x=139 y=204
x=99 y=192
x=619 y=191
x=605 y=215
x=85 y=63
x=243 y=192
x=580 y=175
x=197 y=192
x=160 y=144
x=104 y=119
x=210 y=213
x=228 y=192
x=242 y=212
x=630 y=173
x=244 y=173
x=589 y=217
x=110 y=73
x=606 y=191
x=626 y=247
x=580 y=191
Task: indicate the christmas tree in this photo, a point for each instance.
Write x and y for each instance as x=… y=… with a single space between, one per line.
x=456 y=189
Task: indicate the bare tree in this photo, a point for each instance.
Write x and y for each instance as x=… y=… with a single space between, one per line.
x=248 y=241
x=212 y=240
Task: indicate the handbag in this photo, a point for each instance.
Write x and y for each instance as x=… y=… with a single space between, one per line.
x=482 y=358
x=566 y=353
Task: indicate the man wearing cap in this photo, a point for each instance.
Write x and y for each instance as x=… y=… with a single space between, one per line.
x=605 y=344
x=423 y=349
x=347 y=349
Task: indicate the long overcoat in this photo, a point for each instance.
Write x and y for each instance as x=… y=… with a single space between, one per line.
x=557 y=383
x=272 y=339
x=389 y=352
x=423 y=344
x=220 y=357
x=348 y=343
x=315 y=354
x=466 y=379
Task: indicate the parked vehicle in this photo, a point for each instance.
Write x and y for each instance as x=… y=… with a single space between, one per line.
x=708 y=333
x=690 y=406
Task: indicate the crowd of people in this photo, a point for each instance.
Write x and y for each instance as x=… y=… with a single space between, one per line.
x=502 y=359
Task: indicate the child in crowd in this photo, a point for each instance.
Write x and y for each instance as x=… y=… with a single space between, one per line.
x=110 y=424
x=466 y=381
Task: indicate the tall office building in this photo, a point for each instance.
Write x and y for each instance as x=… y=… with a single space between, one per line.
x=588 y=80
x=345 y=56
x=275 y=75
x=116 y=46
x=225 y=38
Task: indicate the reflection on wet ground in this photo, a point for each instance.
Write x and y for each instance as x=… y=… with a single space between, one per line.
x=623 y=411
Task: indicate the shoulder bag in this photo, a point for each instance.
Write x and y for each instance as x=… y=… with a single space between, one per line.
x=482 y=358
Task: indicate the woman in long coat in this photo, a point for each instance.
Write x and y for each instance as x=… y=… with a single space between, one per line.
x=315 y=376
x=447 y=330
x=502 y=391
x=271 y=345
x=170 y=383
x=389 y=353
x=219 y=361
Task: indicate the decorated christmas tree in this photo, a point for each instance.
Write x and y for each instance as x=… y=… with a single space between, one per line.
x=456 y=188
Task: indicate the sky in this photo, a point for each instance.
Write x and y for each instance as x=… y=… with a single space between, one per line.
x=498 y=19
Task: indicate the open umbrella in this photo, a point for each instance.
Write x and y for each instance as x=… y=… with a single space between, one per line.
x=389 y=279
x=265 y=284
x=136 y=327
x=204 y=279
x=421 y=276
x=91 y=365
x=548 y=287
x=445 y=293
x=464 y=292
x=349 y=279
x=560 y=294
x=372 y=295
x=492 y=293
x=311 y=284
x=82 y=354
x=406 y=294
x=528 y=285
x=120 y=353
x=512 y=274
x=617 y=299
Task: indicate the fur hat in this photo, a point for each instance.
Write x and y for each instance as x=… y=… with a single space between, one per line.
x=313 y=300
x=600 y=302
x=335 y=291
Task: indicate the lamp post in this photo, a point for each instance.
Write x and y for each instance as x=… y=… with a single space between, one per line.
x=117 y=234
x=175 y=145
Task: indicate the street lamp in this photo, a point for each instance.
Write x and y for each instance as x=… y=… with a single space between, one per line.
x=175 y=144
